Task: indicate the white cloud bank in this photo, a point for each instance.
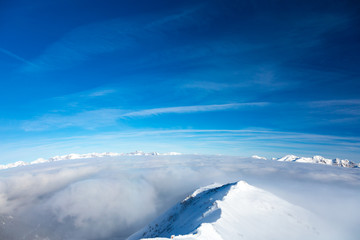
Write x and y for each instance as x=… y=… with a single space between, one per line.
x=112 y=197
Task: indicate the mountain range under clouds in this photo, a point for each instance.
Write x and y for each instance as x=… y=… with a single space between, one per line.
x=288 y=158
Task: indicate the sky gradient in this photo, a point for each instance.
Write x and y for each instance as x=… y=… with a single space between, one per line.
x=216 y=77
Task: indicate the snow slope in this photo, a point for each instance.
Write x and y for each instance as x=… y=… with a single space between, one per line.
x=320 y=160
x=233 y=211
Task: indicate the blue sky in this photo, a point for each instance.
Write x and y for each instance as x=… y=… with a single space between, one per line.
x=217 y=77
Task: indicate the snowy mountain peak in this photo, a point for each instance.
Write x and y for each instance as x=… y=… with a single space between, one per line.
x=230 y=211
x=202 y=189
x=258 y=157
x=11 y=165
x=319 y=160
x=288 y=158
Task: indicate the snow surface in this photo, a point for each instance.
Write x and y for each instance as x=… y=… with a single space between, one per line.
x=233 y=211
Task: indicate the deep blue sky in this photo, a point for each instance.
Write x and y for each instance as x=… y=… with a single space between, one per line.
x=227 y=77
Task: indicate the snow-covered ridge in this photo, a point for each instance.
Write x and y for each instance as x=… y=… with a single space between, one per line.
x=315 y=159
x=232 y=211
x=319 y=160
x=83 y=156
x=258 y=157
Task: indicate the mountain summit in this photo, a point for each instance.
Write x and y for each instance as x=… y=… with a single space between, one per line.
x=232 y=211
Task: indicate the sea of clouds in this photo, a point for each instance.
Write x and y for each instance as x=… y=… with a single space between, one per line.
x=112 y=197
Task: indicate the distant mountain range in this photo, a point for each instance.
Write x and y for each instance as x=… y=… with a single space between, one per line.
x=288 y=158
x=83 y=156
x=320 y=160
x=315 y=159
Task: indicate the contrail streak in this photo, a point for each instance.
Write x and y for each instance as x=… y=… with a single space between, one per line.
x=10 y=54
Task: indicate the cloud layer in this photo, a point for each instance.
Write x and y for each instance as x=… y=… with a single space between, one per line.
x=110 y=198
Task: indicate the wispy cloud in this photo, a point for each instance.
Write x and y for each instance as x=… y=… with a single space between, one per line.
x=350 y=107
x=100 y=93
x=243 y=142
x=340 y=102
x=87 y=120
x=17 y=57
x=83 y=43
x=212 y=86
x=177 y=18
x=192 y=109
x=88 y=41
x=109 y=117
